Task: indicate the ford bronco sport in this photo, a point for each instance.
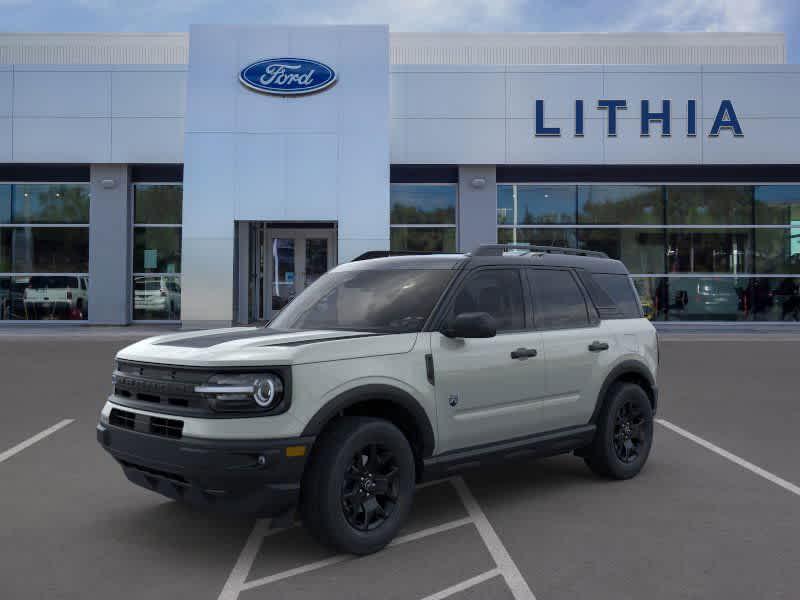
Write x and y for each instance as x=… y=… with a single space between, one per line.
x=388 y=372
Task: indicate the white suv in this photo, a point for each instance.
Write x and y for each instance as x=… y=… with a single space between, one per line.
x=387 y=372
x=156 y=295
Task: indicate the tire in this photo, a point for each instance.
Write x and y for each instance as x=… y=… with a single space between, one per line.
x=358 y=489
x=624 y=433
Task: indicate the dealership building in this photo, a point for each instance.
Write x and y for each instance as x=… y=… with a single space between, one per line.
x=207 y=177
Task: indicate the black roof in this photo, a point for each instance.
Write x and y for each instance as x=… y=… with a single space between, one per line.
x=487 y=255
x=416 y=261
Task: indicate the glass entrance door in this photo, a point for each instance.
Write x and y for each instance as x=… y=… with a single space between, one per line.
x=286 y=261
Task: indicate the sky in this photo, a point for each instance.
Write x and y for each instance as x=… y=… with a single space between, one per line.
x=413 y=15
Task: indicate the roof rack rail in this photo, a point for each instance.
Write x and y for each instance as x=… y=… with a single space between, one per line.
x=499 y=249
x=386 y=253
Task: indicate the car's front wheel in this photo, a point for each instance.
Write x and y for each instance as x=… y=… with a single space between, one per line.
x=624 y=433
x=359 y=487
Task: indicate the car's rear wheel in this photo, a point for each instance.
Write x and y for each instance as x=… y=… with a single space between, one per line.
x=359 y=486
x=624 y=433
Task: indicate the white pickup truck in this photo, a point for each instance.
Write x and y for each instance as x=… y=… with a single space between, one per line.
x=56 y=296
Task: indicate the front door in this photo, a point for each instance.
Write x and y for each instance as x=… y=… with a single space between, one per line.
x=489 y=390
x=284 y=262
x=296 y=259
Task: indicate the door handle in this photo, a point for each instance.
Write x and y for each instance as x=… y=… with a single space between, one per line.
x=523 y=353
x=598 y=346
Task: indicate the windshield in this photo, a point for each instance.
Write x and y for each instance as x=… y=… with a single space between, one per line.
x=384 y=301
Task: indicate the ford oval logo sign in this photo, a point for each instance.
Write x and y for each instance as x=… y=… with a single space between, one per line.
x=287 y=76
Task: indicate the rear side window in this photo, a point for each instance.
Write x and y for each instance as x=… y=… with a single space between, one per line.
x=620 y=289
x=558 y=302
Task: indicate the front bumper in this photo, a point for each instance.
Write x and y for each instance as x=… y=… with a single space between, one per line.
x=242 y=476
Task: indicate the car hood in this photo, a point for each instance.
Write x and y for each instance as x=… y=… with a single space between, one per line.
x=259 y=346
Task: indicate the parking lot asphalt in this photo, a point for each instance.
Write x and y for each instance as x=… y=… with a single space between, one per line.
x=695 y=524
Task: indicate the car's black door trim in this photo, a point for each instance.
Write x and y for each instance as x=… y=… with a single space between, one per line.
x=544 y=444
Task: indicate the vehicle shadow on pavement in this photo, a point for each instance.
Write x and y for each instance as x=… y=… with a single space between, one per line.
x=532 y=478
x=170 y=525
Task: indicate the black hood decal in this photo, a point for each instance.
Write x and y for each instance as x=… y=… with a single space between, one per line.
x=206 y=341
x=324 y=339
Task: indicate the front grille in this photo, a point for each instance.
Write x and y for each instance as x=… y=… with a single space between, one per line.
x=122 y=418
x=167 y=427
x=171 y=388
x=171 y=428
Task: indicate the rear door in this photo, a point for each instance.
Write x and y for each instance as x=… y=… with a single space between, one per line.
x=488 y=390
x=576 y=345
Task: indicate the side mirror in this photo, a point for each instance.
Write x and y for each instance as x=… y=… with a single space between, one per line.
x=471 y=325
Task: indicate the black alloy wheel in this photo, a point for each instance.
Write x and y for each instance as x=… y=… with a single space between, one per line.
x=624 y=433
x=630 y=431
x=358 y=487
x=371 y=487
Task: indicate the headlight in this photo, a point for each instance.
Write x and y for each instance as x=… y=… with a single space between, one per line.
x=243 y=393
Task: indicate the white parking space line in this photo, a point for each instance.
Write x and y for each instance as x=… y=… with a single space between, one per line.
x=315 y=566
x=427 y=484
x=333 y=560
x=261 y=529
x=771 y=477
x=464 y=585
x=505 y=564
x=237 y=580
x=33 y=439
x=423 y=533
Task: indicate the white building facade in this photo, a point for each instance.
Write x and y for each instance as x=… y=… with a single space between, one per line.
x=142 y=178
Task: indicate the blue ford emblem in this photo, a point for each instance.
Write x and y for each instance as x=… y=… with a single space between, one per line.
x=287 y=76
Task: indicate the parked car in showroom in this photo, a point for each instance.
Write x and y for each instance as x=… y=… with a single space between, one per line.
x=5 y=298
x=387 y=372
x=158 y=296
x=56 y=297
x=705 y=299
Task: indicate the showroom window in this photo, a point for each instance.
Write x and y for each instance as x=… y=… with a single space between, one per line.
x=156 y=286
x=612 y=204
x=423 y=216
x=44 y=251
x=696 y=252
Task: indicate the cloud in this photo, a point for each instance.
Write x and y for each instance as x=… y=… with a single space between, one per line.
x=705 y=15
x=415 y=15
x=401 y=15
x=409 y=15
x=153 y=8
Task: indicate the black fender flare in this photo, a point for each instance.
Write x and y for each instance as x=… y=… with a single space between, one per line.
x=624 y=368
x=379 y=392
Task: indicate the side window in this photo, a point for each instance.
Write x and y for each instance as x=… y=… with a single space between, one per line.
x=558 y=302
x=620 y=288
x=598 y=295
x=497 y=292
